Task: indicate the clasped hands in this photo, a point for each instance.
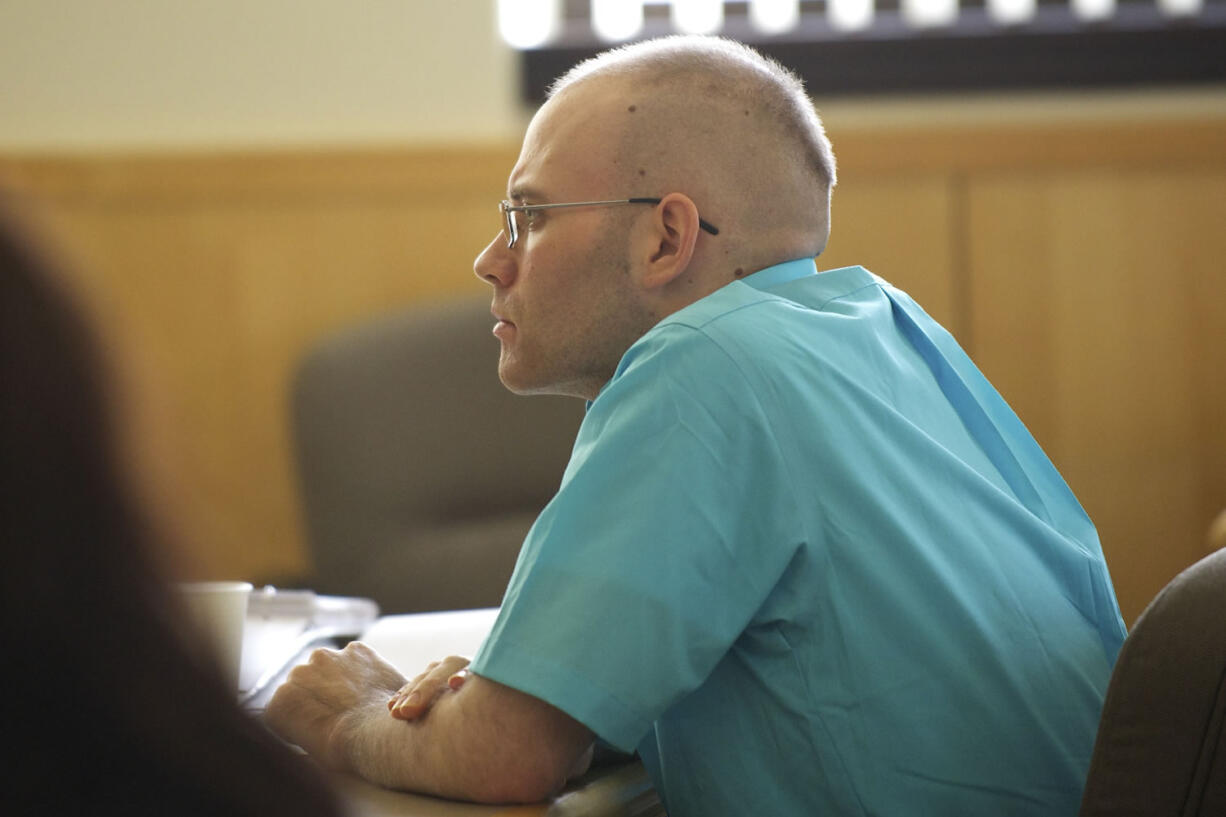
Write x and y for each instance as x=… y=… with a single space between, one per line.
x=489 y=743
x=325 y=701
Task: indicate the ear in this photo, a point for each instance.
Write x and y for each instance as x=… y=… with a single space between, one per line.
x=670 y=240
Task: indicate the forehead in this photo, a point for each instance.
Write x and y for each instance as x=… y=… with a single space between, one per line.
x=569 y=148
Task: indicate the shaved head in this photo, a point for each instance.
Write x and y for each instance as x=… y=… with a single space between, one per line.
x=714 y=119
x=708 y=132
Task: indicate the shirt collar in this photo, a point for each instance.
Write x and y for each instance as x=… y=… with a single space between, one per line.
x=761 y=280
x=781 y=273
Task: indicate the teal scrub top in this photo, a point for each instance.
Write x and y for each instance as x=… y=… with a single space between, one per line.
x=805 y=560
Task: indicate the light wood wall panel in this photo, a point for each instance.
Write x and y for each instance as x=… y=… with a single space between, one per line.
x=216 y=274
x=1078 y=263
x=1099 y=310
x=901 y=227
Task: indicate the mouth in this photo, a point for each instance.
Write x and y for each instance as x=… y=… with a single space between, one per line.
x=503 y=326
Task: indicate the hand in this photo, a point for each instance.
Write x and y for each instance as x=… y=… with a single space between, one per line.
x=415 y=698
x=485 y=742
x=322 y=703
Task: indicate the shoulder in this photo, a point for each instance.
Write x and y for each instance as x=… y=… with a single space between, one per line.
x=707 y=333
x=703 y=357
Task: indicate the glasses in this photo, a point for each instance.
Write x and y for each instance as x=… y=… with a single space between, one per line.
x=509 y=210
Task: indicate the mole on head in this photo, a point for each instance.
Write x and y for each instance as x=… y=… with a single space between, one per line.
x=633 y=108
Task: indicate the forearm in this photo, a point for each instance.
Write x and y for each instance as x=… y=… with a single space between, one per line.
x=484 y=743
x=410 y=756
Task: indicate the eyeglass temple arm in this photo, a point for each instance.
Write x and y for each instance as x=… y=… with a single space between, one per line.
x=703 y=223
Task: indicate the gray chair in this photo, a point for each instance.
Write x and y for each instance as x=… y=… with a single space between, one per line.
x=1161 y=745
x=419 y=473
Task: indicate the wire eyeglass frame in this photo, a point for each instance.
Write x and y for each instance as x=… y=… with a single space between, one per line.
x=509 y=210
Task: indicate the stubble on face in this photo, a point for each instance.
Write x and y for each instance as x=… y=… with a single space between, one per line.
x=577 y=324
x=574 y=300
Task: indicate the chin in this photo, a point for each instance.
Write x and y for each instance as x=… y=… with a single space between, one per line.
x=514 y=381
x=524 y=386
x=518 y=380
x=526 y=389
x=515 y=388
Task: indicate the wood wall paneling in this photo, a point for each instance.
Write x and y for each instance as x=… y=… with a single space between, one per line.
x=1099 y=310
x=218 y=273
x=903 y=229
x=1078 y=263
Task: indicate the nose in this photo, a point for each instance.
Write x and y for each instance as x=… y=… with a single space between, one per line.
x=496 y=265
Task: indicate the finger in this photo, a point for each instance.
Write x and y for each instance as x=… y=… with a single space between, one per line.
x=421 y=676
x=426 y=683
x=403 y=692
x=407 y=689
x=409 y=707
x=454 y=682
x=416 y=699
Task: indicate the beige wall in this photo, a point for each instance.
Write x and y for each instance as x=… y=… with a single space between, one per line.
x=173 y=74
x=170 y=75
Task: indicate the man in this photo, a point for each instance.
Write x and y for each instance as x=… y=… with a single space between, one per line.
x=804 y=559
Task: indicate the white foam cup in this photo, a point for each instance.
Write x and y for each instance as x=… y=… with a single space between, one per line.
x=219 y=610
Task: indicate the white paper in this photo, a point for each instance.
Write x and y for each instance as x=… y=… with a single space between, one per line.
x=410 y=642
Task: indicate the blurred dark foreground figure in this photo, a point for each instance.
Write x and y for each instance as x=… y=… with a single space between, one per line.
x=106 y=707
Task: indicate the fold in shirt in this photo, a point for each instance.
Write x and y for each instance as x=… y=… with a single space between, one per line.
x=805 y=559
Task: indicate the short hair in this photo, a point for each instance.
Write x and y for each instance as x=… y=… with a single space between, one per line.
x=774 y=89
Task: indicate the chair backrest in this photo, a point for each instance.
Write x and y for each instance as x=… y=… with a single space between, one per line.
x=1161 y=745
x=1217 y=532
x=420 y=473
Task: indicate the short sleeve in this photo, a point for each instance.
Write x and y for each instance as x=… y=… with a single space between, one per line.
x=674 y=521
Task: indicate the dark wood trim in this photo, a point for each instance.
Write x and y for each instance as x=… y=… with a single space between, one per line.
x=1136 y=48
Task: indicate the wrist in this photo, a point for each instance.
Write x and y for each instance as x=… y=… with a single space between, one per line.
x=344 y=749
x=371 y=744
